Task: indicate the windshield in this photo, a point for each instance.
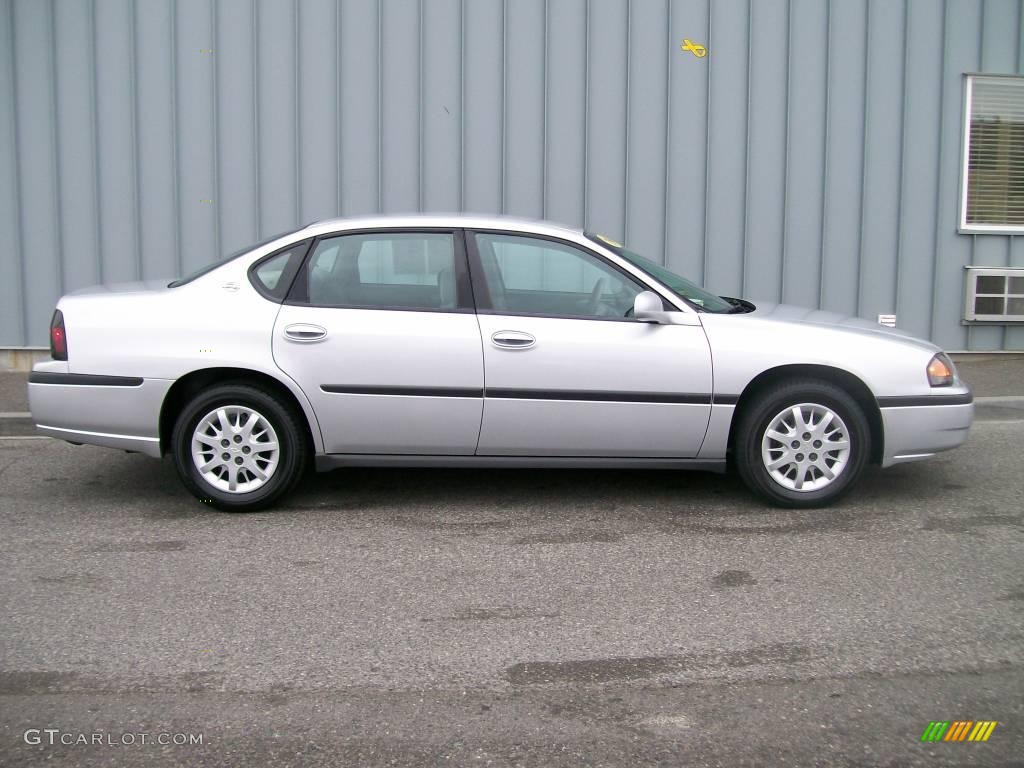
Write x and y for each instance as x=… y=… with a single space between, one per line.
x=225 y=259
x=679 y=285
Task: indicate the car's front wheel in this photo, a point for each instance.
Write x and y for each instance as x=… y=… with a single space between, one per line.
x=802 y=443
x=238 y=447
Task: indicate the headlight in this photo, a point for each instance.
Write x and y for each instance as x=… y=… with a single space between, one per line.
x=941 y=371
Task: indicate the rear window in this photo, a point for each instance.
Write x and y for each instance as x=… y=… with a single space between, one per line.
x=225 y=259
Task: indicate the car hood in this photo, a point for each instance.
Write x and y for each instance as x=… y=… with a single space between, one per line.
x=805 y=316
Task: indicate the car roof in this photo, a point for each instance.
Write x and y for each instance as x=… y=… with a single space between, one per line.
x=467 y=220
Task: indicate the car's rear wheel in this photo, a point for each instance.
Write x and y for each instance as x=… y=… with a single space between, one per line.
x=238 y=447
x=802 y=443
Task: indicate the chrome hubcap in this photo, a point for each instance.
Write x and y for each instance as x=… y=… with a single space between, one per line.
x=806 y=447
x=235 y=449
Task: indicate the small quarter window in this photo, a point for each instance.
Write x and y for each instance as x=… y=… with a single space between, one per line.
x=269 y=272
x=273 y=275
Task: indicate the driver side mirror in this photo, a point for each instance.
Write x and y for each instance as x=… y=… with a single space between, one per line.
x=648 y=308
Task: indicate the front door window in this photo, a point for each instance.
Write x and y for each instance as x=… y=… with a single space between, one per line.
x=528 y=275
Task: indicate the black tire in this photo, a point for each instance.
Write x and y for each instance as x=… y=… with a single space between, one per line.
x=293 y=456
x=755 y=420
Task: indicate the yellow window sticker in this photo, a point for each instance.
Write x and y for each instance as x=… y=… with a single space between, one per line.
x=610 y=242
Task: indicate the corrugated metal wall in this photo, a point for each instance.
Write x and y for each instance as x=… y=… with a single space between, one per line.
x=139 y=139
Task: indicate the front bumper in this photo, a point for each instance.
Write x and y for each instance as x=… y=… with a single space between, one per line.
x=915 y=432
x=115 y=412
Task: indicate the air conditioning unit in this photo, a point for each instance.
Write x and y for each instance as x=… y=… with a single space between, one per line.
x=994 y=295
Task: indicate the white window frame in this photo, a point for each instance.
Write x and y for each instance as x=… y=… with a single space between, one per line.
x=971 y=293
x=975 y=229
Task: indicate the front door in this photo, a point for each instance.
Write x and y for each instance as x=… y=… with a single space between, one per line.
x=569 y=372
x=379 y=332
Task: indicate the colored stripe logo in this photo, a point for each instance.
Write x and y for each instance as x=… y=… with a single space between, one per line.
x=959 y=730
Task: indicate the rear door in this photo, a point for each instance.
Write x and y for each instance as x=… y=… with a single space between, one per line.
x=379 y=332
x=569 y=372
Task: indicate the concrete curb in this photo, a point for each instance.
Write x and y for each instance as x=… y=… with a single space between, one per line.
x=21 y=359
x=16 y=424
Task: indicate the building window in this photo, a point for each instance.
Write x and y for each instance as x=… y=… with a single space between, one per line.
x=994 y=295
x=993 y=172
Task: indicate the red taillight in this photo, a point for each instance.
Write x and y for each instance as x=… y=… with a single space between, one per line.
x=58 y=337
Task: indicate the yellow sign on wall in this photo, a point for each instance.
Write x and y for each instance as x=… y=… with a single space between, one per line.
x=696 y=49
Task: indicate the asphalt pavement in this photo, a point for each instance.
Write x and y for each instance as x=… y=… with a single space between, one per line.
x=517 y=617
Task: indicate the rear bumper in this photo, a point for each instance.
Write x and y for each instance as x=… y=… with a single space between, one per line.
x=111 y=411
x=914 y=432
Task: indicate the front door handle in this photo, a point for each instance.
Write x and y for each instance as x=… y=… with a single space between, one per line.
x=513 y=339
x=304 y=332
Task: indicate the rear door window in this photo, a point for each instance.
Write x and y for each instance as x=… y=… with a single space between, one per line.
x=382 y=270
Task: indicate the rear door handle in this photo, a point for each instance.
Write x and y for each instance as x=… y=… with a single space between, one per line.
x=304 y=332
x=513 y=339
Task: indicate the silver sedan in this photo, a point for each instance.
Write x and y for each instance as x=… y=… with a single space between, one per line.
x=482 y=342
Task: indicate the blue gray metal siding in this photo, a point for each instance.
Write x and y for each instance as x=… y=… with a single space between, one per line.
x=813 y=156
